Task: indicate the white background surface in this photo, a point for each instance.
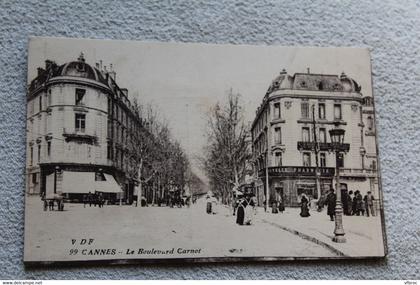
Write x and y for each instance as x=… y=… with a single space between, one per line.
x=389 y=28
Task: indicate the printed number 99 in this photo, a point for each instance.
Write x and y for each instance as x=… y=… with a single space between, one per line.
x=73 y=251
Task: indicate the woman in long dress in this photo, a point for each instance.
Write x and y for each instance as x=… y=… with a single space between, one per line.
x=240 y=211
x=304 y=210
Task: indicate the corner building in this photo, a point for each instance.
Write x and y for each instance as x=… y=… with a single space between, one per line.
x=81 y=133
x=283 y=136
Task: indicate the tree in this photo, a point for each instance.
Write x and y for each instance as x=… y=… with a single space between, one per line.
x=227 y=149
x=160 y=158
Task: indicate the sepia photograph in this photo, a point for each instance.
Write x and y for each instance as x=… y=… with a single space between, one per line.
x=158 y=152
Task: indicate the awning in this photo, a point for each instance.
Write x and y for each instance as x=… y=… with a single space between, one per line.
x=84 y=182
x=77 y=182
x=108 y=186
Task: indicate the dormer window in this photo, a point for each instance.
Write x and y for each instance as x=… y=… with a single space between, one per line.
x=79 y=95
x=81 y=66
x=303 y=84
x=337 y=87
x=320 y=86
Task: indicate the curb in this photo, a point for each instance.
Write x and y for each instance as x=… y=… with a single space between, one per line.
x=308 y=238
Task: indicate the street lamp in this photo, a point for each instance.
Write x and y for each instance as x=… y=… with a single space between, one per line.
x=337 y=145
x=56 y=170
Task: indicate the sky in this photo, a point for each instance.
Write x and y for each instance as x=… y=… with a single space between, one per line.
x=183 y=80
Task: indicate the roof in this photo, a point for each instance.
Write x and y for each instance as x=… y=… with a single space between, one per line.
x=77 y=68
x=313 y=82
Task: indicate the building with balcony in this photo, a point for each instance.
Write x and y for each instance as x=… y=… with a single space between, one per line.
x=81 y=132
x=291 y=143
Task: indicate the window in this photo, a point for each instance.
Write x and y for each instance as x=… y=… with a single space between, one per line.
x=277 y=135
x=80 y=123
x=337 y=112
x=373 y=165
x=49 y=97
x=34 y=178
x=277 y=113
x=40 y=103
x=320 y=86
x=370 y=123
x=278 y=159
x=306 y=159
x=39 y=152
x=305 y=109
x=117 y=155
x=48 y=148
x=323 y=160
x=321 y=110
x=99 y=176
x=109 y=151
x=305 y=134
x=32 y=156
x=80 y=94
x=322 y=135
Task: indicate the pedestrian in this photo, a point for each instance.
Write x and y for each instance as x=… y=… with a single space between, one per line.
x=330 y=202
x=354 y=204
x=345 y=201
x=321 y=203
x=281 y=205
x=208 y=205
x=240 y=212
x=350 y=203
x=51 y=204
x=274 y=207
x=304 y=209
x=44 y=201
x=84 y=198
x=360 y=205
x=369 y=204
x=100 y=200
x=90 y=199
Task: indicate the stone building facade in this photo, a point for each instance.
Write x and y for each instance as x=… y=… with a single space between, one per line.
x=297 y=111
x=81 y=132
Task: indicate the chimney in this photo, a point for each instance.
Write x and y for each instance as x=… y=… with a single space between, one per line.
x=40 y=71
x=308 y=70
x=48 y=64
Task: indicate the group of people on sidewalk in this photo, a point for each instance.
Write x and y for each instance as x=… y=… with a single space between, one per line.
x=49 y=203
x=353 y=204
x=96 y=199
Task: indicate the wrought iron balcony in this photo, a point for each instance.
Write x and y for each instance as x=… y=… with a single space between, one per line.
x=301 y=145
x=295 y=171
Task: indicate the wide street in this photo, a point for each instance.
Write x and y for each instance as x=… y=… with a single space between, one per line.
x=123 y=230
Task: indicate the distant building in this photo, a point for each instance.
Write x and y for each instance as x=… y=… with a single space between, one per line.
x=283 y=125
x=81 y=132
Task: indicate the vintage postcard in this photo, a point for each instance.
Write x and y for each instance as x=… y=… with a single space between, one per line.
x=146 y=152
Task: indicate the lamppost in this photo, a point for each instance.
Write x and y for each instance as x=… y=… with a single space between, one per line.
x=56 y=170
x=337 y=145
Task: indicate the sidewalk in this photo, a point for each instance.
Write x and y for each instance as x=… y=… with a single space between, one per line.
x=363 y=234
